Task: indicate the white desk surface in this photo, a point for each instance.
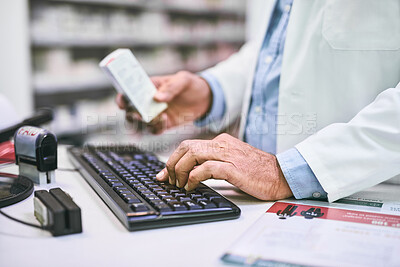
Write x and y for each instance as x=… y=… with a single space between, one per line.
x=106 y=242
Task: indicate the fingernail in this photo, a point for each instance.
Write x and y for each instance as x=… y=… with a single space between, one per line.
x=177 y=183
x=160 y=175
x=170 y=181
x=187 y=187
x=158 y=96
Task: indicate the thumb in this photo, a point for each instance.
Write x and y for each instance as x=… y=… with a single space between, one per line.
x=159 y=80
x=170 y=89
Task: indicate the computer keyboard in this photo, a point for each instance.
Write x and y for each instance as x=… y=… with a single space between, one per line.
x=124 y=178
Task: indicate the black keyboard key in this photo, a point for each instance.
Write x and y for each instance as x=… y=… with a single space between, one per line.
x=168 y=198
x=117 y=188
x=115 y=183
x=178 y=206
x=131 y=199
x=210 y=194
x=192 y=205
x=207 y=204
x=149 y=194
x=157 y=202
x=109 y=176
x=221 y=203
x=164 y=208
x=163 y=195
x=195 y=195
x=179 y=194
x=135 y=183
x=200 y=199
x=141 y=188
x=157 y=188
x=212 y=198
x=123 y=192
x=184 y=198
x=145 y=192
x=139 y=207
x=152 y=198
x=138 y=156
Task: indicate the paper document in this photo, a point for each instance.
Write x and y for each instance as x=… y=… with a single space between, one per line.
x=130 y=79
x=319 y=235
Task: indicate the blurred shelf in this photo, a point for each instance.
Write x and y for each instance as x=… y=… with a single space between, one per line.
x=42 y=42
x=203 y=11
x=70 y=86
x=59 y=89
x=42 y=99
x=163 y=7
x=189 y=46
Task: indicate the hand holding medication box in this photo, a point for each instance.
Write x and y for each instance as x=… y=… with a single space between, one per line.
x=130 y=79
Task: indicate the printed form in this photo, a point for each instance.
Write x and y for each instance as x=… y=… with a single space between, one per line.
x=318 y=234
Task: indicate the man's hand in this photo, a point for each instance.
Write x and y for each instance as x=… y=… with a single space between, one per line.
x=188 y=97
x=225 y=157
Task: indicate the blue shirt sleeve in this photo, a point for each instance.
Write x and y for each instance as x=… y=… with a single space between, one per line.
x=299 y=175
x=218 y=104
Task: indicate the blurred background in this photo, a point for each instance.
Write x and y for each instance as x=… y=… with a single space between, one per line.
x=50 y=51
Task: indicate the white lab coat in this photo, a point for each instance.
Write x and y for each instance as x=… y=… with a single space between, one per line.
x=334 y=106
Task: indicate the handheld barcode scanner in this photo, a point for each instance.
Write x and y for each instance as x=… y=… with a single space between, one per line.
x=36 y=154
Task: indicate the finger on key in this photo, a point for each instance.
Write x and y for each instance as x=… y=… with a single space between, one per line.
x=175 y=157
x=162 y=175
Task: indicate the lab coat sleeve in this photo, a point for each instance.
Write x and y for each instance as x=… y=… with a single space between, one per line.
x=233 y=75
x=349 y=157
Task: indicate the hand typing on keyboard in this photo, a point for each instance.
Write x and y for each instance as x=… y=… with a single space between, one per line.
x=125 y=178
x=225 y=157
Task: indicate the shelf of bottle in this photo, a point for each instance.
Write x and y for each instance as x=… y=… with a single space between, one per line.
x=76 y=42
x=66 y=90
x=164 y=7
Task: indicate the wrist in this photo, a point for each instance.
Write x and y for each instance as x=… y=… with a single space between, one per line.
x=284 y=190
x=207 y=99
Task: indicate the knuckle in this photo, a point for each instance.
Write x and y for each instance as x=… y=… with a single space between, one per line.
x=184 y=144
x=193 y=149
x=183 y=73
x=223 y=136
x=209 y=166
x=170 y=166
x=220 y=146
x=192 y=176
x=178 y=169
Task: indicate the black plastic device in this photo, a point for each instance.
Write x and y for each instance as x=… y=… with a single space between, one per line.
x=56 y=211
x=37 y=147
x=36 y=153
